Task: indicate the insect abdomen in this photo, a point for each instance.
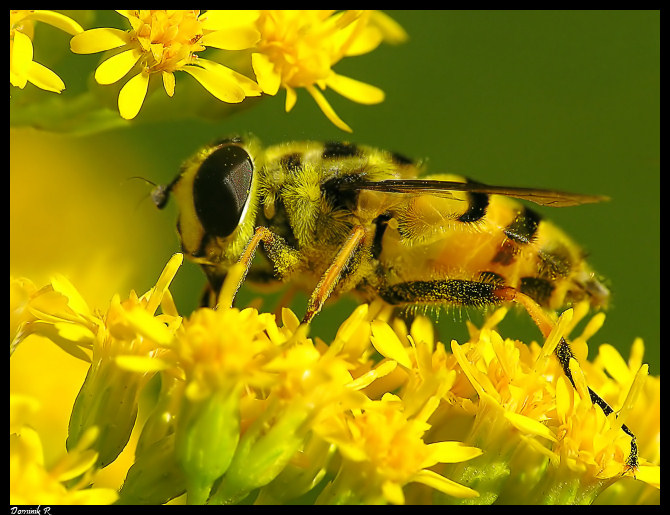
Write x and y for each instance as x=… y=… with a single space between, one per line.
x=458 y=250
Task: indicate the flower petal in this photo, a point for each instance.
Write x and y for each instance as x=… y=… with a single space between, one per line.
x=168 y=83
x=633 y=394
x=78 y=464
x=162 y=284
x=141 y=364
x=143 y=323
x=131 y=96
x=385 y=368
x=114 y=68
x=650 y=474
x=44 y=78
x=58 y=20
x=444 y=485
x=393 y=492
x=18 y=81
x=74 y=332
x=529 y=425
x=132 y=16
x=266 y=76
x=355 y=90
x=75 y=301
x=451 y=452
x=20 y=58
x=327 y=109
x=422 y=331
x=391 y=30
x=222 y=87
x=388 y=344
x=565 y=399
x=250 y=88
x=479 y=380
x=579 y=380
x=98 y=40
x=636 y=354
x=223 y=19
x=614 y=364
x=291 y=98
x=237 y=38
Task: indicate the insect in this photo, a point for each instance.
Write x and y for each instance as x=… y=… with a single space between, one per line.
x=339 y=217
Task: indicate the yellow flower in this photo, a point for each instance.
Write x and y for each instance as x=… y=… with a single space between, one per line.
x=218 y=349
x=527 y=407
x=615 y=378
x=21 y=291
x=123 y=347
x=297 y=49
x=127 y=351
x=161 y=42
x=22 y=68
x=253 y=410
x=383 y=450
x=221 y=353
x=308 y=387
x=589 y=441
x=32 y=482
x=127 y=334
x=56 y=311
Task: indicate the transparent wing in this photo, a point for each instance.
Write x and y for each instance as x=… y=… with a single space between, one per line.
x=444 y=188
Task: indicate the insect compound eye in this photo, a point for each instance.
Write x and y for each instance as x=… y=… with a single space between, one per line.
x=221 y=188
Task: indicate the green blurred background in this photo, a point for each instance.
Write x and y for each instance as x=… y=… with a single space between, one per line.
x=551 y=99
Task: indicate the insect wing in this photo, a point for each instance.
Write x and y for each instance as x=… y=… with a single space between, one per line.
x=444 y=188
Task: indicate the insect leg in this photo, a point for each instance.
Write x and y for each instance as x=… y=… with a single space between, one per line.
x=564 y=354
x=333 y=273
x=452 y=291
x=281 y=254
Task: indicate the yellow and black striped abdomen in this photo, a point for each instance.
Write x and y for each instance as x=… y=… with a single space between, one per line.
x=465 y=246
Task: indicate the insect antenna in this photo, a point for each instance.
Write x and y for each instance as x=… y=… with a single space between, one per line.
x=159 y=193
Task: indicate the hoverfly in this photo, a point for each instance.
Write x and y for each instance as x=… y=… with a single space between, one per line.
x=339 y=217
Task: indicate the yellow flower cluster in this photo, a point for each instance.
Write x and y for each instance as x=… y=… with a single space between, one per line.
x=22 y=68
x=247 y=409
x=31 y=482
x=288 y=49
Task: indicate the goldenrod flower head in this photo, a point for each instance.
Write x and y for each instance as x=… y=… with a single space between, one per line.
x=277 y=428
x=56 y=311
x=126 y=331
x=217 y=349
x=526 y=401
x=123 y=347
x=161 y=42
x=298 y=49
x=286 y=49
x=249 y=379
x=128 y=350
x=624 y=381
x=614 y=377
x=589 y=441
x=32 y=482
x=22 y=68
x=250 y=406
x=384 y=450
x=219 y=353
